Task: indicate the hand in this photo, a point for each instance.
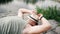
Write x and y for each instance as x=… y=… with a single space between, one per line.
x=37 y=16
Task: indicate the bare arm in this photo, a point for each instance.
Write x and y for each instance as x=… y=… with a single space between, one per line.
x=39 y=28
x=23 y=11
x=34 y=29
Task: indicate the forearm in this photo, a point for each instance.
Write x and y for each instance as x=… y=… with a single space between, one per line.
x=24 y=10
x=21 y=12
x=40 y=28
x=36 y=29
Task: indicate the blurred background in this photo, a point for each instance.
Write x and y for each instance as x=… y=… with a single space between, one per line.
x=49 y=8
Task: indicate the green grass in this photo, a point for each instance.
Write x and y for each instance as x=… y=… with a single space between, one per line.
x=50 y=12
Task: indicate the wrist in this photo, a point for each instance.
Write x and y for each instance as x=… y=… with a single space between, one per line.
x=41 y=16
x=33 y=18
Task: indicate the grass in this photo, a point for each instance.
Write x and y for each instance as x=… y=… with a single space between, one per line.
x=50 y=12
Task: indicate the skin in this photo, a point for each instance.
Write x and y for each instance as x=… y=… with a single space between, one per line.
x=35 y=29
x=23 y=11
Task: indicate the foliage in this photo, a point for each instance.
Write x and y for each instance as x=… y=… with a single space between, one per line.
x=31 y=1
x=50 y=12
x=4 y=1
